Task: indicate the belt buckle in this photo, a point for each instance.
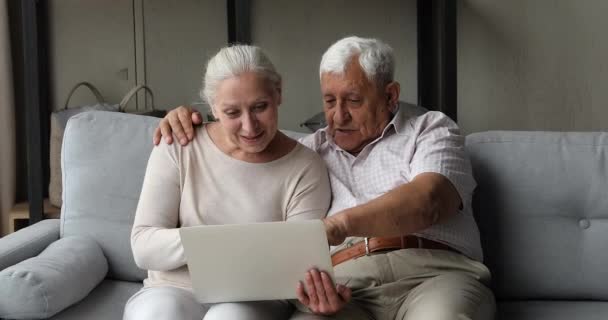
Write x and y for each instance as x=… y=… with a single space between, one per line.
x=366 y=239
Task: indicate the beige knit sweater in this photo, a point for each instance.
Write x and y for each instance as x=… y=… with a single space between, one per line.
x=200 y=185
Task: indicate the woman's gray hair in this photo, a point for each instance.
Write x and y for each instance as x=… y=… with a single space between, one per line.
x=375 y=57
x=233 y=61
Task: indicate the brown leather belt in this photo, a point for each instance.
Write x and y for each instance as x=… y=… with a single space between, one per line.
x=370 y=245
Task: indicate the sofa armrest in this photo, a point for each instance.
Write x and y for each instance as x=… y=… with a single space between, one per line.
x=27 y=242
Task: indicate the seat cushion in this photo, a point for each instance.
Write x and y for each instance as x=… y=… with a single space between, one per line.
x=104 y=159
x=106 y=302
x=542 y=211
x=552 y=310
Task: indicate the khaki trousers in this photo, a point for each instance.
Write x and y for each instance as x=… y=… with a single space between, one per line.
x=414 y=284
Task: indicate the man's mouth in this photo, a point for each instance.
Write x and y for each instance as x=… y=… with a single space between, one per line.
x=344 y=131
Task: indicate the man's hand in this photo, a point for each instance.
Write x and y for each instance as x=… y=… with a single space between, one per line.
x=320 y=294
x=178 y=121
x=335 y=228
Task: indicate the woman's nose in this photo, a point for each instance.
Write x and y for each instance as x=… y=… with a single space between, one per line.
x=250 y=123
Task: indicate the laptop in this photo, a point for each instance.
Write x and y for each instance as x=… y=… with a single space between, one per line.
x=251 y=262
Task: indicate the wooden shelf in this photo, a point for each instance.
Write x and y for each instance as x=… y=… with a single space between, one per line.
x=20 y=214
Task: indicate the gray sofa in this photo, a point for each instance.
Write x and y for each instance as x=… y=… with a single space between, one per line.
x=541 y=205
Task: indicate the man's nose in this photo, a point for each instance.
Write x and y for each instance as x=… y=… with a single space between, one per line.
x=341 y=115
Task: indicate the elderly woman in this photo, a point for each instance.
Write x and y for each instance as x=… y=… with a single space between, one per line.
x=240 y=169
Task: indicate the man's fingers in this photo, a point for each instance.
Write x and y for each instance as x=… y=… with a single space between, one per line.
x=301 y=294
x=156 y=137
x=335 y=233
x=165 y=130
x=186 y=123
x=197 y=118
x=176 y=128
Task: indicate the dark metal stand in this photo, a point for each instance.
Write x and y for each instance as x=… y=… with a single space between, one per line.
x=239 y=21
x=437 y=56
x=35 y=97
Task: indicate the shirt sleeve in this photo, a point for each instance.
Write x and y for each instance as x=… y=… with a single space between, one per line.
x=440 y=149
x=155 y=238
x=312 y=194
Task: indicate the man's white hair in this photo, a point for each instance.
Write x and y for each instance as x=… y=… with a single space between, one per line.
x=375 y=58
x=233 y=61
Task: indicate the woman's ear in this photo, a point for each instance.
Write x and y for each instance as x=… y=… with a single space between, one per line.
x=392 y=91
x=212 y=109
x=279 y=96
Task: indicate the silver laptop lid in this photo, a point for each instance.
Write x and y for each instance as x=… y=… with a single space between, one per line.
x=248 y=262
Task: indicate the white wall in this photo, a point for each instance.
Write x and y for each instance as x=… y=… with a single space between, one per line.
x=116 y=44
x=522 y=65
x=532 y=65
x=90 y=41
x=180 y=36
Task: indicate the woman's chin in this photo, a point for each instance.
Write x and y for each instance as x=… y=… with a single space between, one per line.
x=249 y=147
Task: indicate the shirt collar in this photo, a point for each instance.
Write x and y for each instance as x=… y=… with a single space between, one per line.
x=399 y=119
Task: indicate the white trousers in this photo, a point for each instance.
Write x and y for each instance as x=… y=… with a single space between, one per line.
x=170 y=303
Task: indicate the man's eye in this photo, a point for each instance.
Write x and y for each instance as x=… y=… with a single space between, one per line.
x=232 y=114
x=260 y=107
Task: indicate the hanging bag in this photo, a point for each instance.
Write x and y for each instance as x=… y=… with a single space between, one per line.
x=59 y=120
x=152 y=112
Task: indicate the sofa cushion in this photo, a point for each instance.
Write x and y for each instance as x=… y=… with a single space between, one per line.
x=63 y=274
x=294 y=134
x=104 y=159
x=106 y=302
x=552 y=310
x=542 y=209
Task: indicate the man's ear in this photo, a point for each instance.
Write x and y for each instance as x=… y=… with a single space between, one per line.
x=392 y=91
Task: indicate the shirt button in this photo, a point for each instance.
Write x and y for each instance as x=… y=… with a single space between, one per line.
x=584 y=223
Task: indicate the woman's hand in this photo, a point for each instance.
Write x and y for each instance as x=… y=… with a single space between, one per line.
x=178 y=121
x=320 y=294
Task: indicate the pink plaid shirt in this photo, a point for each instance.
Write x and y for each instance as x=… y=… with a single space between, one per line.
x=414 y=142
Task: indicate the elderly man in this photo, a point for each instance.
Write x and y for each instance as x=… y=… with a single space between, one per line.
x=404 y=241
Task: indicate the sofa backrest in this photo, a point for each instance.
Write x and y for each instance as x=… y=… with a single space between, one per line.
x=542 y=208
x=104 y=158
